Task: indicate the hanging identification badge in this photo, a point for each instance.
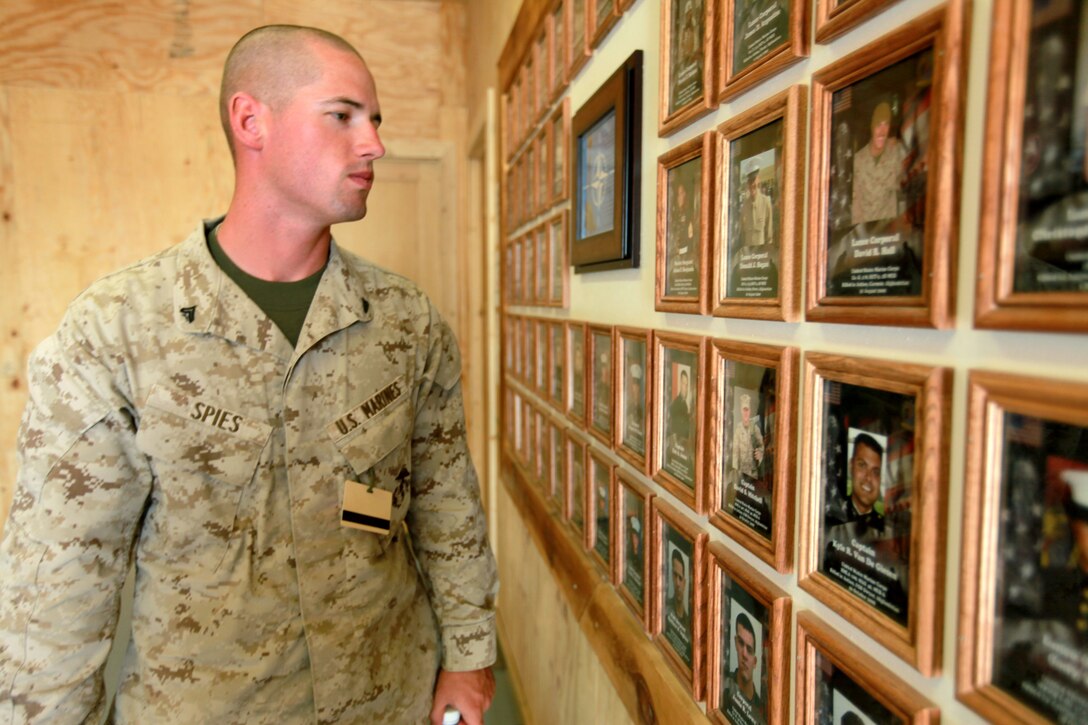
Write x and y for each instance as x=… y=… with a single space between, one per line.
x=366 y=508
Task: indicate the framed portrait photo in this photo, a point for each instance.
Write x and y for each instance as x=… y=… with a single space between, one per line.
x=752 y=441
x=557 y=470
x=533 y=149
x=514 y=336
x=543 y=62
x=1033 y=241
x=685 y=182
x=748 y=643
x=678 y=419
x=601 y=483
x=634 y=376
x=874 y=484
x=543 y=188
x=542 y=265
x=758 y=210
x=631 y=518
x=558 y=36
x=526 y=435
x=835 y=17
x=1024 y=582
x=542 y=364
x=558 y=130
x=601 y=16
x=884 y=183
x=557 y=358
x=678 y=598
x=687 y=63
x=539 y=462
x=574 y=504
x=516 y=272
x=576 y=372
x=606 y=133
x=759 y=39
x=579 y=52
x=558 y=277
x=839 y=683
x=528 y=354
x=602 y=376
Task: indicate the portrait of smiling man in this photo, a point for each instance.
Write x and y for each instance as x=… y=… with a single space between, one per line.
x=270 y=430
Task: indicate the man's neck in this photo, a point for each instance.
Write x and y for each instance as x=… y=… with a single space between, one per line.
x=272 y=247
x=746 y=687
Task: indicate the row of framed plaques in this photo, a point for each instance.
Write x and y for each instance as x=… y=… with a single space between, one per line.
x=722 y=626
x=535 y=265
x=537 y=178
x=872 y=535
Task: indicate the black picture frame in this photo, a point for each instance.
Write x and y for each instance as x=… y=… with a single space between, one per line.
x=612 y=119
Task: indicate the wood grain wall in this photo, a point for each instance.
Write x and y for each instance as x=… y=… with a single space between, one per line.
x=110 y=145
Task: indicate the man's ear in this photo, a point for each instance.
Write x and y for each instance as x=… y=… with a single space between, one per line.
x=247 y=118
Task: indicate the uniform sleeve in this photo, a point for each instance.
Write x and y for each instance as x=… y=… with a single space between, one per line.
x=67 y=543
x=446 y=519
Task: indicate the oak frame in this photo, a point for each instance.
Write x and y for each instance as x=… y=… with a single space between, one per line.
x=794 y=48
x=575 y=327
x=663 y=514
x=597 y=23
x=816 y=638
x=557 y=353
x=574 y=448
x=918 y=642
x=669 y=121
x=695 y=496
x=942 y=30
x=593 y=331
x=789 y=106
x=560 y=47
x=557 y=261
x=835 y=17
x=577 y=53
x=597 y=458
x=777 y=550
x=997 y=305
x=701 y=146
x=561 y=118
x=629 y=485
x=723 y=562
x=645 y=336
x=992 y=395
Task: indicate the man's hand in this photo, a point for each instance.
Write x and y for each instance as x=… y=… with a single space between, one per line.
x=470 y=692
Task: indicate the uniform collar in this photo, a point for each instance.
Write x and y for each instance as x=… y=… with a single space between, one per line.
x=207 y=301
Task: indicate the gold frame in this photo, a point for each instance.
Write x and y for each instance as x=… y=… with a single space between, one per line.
x=700 y=146
x=777 y=550
x=721 y=561
x=789 y=106
x=580 y=419
x=572 y=443
x=814 y=637
x=785 y=54
x=695 y=497
x=596 y=26
x=645 y=336
x=629 y=485
x=557 y=244
x=669 y=122
x=941 y=29
x=596 y=458
x=919 y=642
x=662 y=513
x=592 y=393
x=990 y=396
x=561 y=116
x=835 y=17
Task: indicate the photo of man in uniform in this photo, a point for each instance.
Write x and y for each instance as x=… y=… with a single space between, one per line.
x=602 y=380
x=756 y=218
x=682 y=241
x=634 y=413
x=677 y=611
x=753 y=217
x=686 y=61
x=878 y=167
x=680 y=422
x=633 y=557
x=740 y=700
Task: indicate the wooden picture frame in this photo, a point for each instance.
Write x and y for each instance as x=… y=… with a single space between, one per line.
x=758 y=210
x=605 y=174
x=528 y=355
x=601 y=16
x=558 y=129
x=538 y=467
x=600 y=492
x=685 y=187
x=578 y=43
x=543 y=63
x=574 y=493
x=772 y=38
x=835 y=17
x=542 y=273
x=748 y=642
x=874 y=489
x=529 y=267
x=514 y=372
x=524 y=452
x=509 y=421
x=631 y=518
x=558 y=38
x=1025 y=550
x=677 y=450
x=633 y=405
x=532 y=185
x=829 y=668
x=557 y=357
x=541 y=363
x=687 y=58
x=600 y=419
x=883 y=219
x=557 y=472
x=751 y=446
x=543 y=172
x=558 y=269
x=576 y=392
x=1031 y=273
x=677 y=621
x=517 y=277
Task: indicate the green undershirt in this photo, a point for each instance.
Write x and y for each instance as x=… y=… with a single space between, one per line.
x=285 y=303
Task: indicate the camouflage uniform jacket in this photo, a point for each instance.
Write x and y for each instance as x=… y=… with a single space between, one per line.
x=170 y=423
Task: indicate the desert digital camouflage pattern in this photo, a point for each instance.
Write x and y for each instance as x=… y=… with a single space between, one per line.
x=170 y=423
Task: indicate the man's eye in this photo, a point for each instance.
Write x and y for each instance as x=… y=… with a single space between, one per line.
x=340 y=115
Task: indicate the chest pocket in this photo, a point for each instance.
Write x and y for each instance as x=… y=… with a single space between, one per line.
x=203 y=456
x=379 y=451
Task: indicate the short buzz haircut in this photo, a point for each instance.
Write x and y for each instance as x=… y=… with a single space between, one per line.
x=677 y=557
x=270 y=62
x=746 y=624
x=864 y=439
